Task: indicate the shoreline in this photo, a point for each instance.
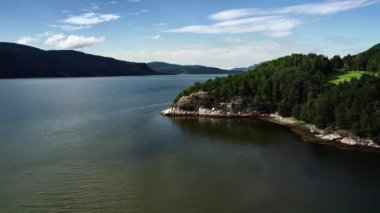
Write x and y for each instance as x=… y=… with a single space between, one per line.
x=308 y=133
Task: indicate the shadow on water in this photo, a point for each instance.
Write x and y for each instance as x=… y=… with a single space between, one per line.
x=282 y=142
x=254 y=132
x=303 y=168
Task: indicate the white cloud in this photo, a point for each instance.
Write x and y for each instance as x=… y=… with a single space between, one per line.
x=45 y=34
x=91 y=8
x=323 y=8
x=138 y=12
x=70 y=27
x=61 y=41
x=270 y=25
x=26 y=40
x=90 y=18
x=134 y=13
x=277 y=34
x=135 y=1
x=231 y=14
x=160 y=24
x=155 y=37
x=326 y=8
x=278 y=22
x=226 y=56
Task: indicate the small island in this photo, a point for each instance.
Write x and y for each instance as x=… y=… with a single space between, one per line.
x=331 y=101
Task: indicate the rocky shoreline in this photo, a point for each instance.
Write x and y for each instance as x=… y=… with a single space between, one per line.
x=309 y=133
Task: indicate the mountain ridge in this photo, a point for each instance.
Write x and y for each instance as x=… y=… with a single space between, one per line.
x=169 y=68
x=21 y=61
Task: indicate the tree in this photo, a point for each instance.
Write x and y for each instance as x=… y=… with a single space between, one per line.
x=361 y=62
x=348 y=63
x=337 y=63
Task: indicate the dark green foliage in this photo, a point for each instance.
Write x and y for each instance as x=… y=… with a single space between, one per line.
x=175 y=69
x=337 y=62
x=20 y=61
x=356 y=105
x=298 y=86
x=366 y=61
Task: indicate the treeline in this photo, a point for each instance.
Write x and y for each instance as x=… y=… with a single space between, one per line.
x=297 y=86
x=351 y=105
x=366 y=61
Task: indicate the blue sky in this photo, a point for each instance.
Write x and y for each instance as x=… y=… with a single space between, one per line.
x=220 y=33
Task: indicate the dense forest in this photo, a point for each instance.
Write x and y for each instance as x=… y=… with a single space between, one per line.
x=298 y=86
x=366 y=61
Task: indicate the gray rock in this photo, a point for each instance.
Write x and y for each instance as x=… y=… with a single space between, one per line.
x=194 y=101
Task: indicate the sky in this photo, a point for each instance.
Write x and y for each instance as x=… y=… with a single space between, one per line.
x=219 y=33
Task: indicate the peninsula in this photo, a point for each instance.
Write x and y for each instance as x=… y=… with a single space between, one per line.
x=331 y=101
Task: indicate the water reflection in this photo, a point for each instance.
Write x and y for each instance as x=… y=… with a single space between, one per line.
x=254 y=132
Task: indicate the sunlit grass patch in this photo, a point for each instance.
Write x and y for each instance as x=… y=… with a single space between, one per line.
x=342 y=76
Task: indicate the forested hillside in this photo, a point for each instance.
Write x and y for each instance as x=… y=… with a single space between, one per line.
x=20 y=61
x=298 y=86
x=366 y=61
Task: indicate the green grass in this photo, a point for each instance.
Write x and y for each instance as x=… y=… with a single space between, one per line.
x=342 y=76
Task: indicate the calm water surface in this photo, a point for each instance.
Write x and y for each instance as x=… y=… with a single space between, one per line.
x=100 y=145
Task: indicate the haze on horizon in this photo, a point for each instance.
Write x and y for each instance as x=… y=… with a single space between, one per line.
x=223 y=34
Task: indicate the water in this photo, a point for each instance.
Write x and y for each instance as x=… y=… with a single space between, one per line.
x=100 y=145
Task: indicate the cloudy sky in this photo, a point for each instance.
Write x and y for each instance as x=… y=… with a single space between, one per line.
x=220 y=33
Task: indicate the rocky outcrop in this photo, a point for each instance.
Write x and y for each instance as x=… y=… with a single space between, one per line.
x=326 y=136
x=196 y=105
x=194 y=101
x=357 y=141
x=331 y=137
x=206 y=112
x=199 y=104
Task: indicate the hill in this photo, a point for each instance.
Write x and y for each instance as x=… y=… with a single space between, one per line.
x=293 y=86
x=175 y=69
x=366 y=61
x=21 y=61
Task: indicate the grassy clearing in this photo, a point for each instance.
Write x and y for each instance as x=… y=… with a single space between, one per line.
x=342 y=76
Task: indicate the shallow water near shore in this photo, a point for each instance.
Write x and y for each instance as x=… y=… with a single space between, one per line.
x=100 y=144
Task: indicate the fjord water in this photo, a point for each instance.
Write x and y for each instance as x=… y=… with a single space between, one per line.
x=99 y=144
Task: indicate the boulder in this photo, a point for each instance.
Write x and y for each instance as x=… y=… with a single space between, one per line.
x=331 y=137
x=194 y=101
x=236 y=105
x=349 y=141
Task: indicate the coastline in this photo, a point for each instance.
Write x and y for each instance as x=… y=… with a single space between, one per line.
x=307 y=132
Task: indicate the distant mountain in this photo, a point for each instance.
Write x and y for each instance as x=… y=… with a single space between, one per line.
x=21 y=61
x=240 y=69
x=243 y=69
x=175 y=69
